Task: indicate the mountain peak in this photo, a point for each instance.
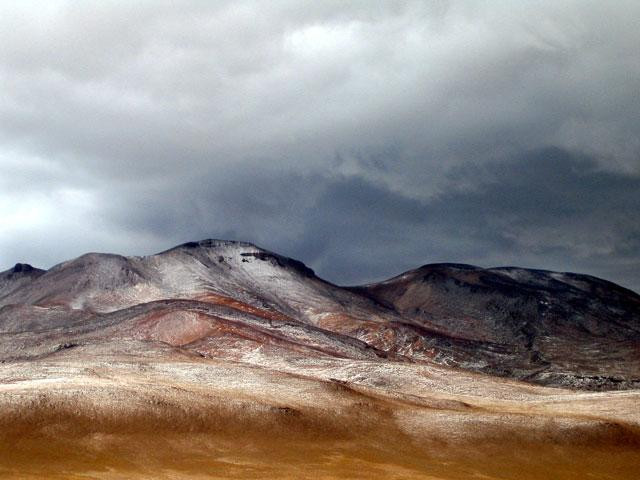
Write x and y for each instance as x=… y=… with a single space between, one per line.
x=211 y=243
x=242 y=247
x=22 y=267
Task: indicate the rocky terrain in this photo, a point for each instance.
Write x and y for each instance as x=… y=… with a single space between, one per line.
x=550 y=328
x=219 y=359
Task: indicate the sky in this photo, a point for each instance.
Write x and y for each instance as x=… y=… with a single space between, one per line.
x=364 y=138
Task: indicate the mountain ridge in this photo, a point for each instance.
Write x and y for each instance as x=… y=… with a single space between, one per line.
x=551 y=328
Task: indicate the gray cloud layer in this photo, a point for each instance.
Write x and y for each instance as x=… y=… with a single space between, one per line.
x=363 y=139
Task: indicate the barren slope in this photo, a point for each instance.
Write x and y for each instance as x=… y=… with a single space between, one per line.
x=544 y=327
x=219 y=359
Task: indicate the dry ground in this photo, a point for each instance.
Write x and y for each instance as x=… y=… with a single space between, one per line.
x=205 y=418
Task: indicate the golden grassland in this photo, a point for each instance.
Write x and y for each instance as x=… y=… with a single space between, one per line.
x=129 y=427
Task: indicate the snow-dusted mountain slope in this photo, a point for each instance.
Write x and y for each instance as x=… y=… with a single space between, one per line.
x=543 y=327
x=547 y=327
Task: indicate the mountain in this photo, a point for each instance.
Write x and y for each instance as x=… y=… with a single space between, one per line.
x=220 y=354
x=551 y=328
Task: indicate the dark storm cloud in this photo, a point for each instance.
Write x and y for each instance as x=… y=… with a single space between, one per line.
x=361 y=138
x=547 y=209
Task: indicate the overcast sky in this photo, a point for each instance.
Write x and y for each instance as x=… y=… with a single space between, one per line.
x=363 y=138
